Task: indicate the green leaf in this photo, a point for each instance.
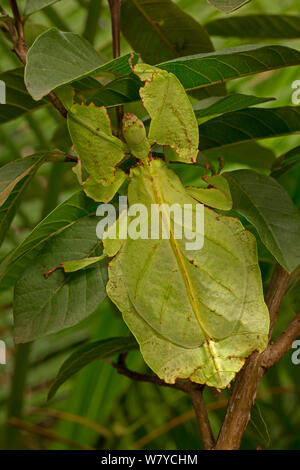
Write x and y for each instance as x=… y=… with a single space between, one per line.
x=196 y=313
x=120 y=91
x=256 y=27
x=162 y=31
x=35 y=5
x=14 y=180
x=15 y=171
x=57 y=58
x=18 y=101
x=228 y=5
x=154 y=33
x=226 y=104
x=91 y=134
x=286 y=162
x=244 y=155
x=89 y=353
x=267 y=206
x=45 y=304
x=8 y=209
x=248 y=125
x=217 y=195
x=221 y=66
x=173 y=121
x=63 y=217
x=100 y=193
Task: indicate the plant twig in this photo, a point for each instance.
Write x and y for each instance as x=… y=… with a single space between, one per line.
x=281 y=346
x=20 y=49
x=190 y=414
x=202 y=419
x=245 y=387
x=275 y=293
x=115 y=12
x=192 y=389
x=19 y=43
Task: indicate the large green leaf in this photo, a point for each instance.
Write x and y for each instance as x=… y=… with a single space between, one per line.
x=268 y=207
x=44 y=305
x=226 y=104
x=15 y=171
x=162 y=31
x=256 y=27
x=173 y=121
x=35 y=5
x=63 y=217
x=228 y=5
x=18 y=100
x=57 y=58
x=196 y=313
x=14 y=179
x=286 y=162
x=120 y=91
x=218 y=67
x=8 y=209
x=248 y=154
x=88 y=353
x=247 y=125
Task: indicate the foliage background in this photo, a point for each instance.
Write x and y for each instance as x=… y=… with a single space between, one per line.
x=98 y=408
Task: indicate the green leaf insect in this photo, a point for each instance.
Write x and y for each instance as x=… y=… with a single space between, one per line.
x=193 y=298
x=196 y=314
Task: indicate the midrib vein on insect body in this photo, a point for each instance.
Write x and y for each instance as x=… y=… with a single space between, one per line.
x=186 y=278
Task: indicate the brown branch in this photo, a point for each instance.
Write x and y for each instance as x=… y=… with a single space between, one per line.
x=202 y=418
x=282 y=345
x=19 y=42
x=137 y=376
x=20 y=49
x=115 y=13
x=275 y=293
x=245 y=387
x=192 y=389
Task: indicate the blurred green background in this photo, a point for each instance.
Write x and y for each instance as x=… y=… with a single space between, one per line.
x=98 y=408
